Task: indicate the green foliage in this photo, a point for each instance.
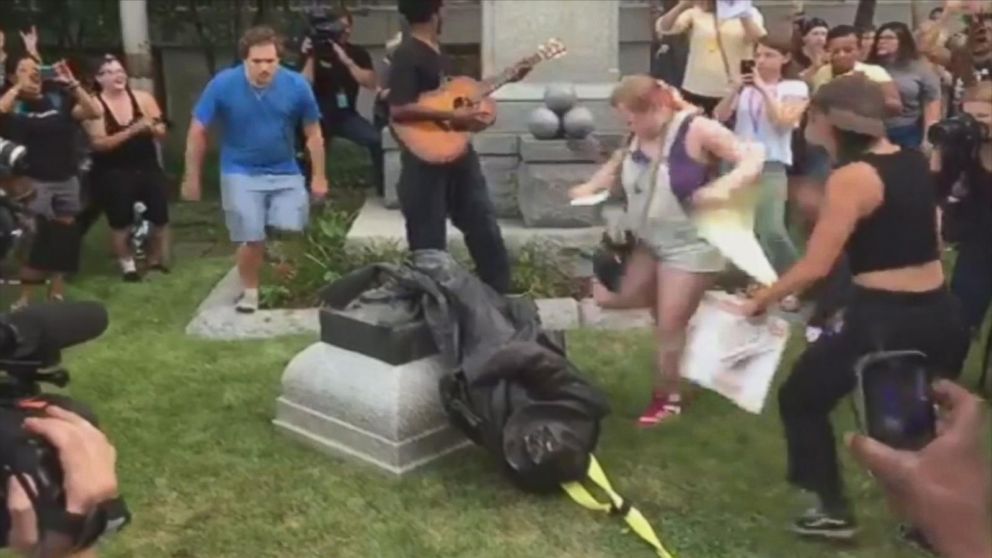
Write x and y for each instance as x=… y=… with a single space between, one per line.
x=540 y=270
x=320 y=257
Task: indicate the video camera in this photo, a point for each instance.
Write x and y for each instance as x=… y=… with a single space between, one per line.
x=31 y=341
x=325 y=29
x=961 y=134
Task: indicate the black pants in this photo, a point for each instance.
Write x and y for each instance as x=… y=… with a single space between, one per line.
x=429 y=194
x=972 y=280
x=354 y=128
x=824 y=374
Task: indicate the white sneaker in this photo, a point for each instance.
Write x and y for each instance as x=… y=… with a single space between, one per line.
x=248 y=303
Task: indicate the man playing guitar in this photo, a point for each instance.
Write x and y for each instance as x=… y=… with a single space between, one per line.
x=430 y=192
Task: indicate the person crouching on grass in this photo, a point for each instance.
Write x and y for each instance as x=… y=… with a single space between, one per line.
x=258 y=104
x=665 y=174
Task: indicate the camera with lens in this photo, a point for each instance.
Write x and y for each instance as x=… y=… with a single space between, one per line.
x=609 y=261
x=325 y=29
x=31 y=341
x=960 y=134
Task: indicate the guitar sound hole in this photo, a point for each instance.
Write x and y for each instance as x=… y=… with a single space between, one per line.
x=462 y=102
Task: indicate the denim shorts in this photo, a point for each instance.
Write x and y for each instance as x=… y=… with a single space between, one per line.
x=254 y=203
x=55 y=199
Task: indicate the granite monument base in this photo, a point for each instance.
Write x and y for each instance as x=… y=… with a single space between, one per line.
x=353 y=406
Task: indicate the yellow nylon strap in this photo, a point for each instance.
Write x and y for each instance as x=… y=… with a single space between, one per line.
x=637 y=522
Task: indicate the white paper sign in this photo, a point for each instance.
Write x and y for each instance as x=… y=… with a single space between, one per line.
x=730 y=229
x=594 y=199
x=732 y=9
x=732 y=355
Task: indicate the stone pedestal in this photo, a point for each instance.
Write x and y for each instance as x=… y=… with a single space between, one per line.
x=350 y=405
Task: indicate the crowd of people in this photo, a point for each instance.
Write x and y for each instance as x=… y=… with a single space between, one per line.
x=857 y=126
x=877 y=140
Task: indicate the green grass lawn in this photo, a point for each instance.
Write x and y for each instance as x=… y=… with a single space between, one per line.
x=206 y=474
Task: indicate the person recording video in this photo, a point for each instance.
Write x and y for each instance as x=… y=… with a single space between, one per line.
x=41 y=113
x=962 y=162
x=881 y=209
x=57 y=468
x=337 y=69
x=944 y=489
x=88 y=462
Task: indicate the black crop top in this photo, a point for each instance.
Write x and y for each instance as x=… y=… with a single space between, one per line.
x=902 y=231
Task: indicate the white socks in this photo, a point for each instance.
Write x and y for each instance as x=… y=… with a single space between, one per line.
x=128 y=265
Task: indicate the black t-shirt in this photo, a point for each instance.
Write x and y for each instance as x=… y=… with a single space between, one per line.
x=45 y=127
x=334 y=86
x=415 y=69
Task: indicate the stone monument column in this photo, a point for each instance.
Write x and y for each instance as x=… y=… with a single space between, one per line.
x=589 y=28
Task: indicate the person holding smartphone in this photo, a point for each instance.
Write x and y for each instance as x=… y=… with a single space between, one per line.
x=881 y=209
x=768 y=107
x=944 y=489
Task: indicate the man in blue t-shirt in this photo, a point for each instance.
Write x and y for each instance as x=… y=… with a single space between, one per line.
x=257 y=106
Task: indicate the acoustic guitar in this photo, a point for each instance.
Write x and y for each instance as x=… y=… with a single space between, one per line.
x=440 y=142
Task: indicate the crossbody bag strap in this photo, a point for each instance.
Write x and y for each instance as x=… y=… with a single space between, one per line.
x=719 y=45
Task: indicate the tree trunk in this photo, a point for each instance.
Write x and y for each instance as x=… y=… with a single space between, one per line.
x=206 y=45
x=137 y=44
x=236 y=30
x=865 y=16
x=259 y=13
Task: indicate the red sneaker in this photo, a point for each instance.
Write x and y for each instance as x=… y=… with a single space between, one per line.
x=661 y=409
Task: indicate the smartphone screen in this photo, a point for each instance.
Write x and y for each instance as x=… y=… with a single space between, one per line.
x=898 y=406
x=47 y=72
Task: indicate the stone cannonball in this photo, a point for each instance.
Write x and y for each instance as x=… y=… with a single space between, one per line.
x=560 y=97
x=579 y=123
x=544 y=123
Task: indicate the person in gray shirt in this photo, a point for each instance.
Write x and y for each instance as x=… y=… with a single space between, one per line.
x=919 y=86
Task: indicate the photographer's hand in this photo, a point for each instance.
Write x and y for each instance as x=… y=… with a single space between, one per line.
x=343 y=56
x=944 y=489
x=23 y=534
x=88 y=460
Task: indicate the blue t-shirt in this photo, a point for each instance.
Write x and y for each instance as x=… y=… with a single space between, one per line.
x=258 y=126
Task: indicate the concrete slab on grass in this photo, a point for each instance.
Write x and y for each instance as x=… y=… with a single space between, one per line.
x=216 y=318
x=592 y=316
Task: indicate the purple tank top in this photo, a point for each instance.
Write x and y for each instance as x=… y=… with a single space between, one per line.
x=685 y=174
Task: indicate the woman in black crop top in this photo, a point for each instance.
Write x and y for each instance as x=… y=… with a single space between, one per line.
x=880 y=209
x=126 y=168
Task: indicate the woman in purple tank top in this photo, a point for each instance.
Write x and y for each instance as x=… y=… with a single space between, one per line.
x=665 y=173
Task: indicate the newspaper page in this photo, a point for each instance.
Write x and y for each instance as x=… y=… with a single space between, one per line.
x=733 y=355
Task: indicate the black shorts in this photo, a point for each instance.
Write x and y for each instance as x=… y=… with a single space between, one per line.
x=117 y=191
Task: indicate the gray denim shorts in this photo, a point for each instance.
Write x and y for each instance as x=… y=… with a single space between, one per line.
x=254 y=203
x=55 y=199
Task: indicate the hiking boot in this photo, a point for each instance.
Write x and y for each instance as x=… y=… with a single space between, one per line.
x=817 y=522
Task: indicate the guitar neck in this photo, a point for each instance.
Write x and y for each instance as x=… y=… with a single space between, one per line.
x=492 y=83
